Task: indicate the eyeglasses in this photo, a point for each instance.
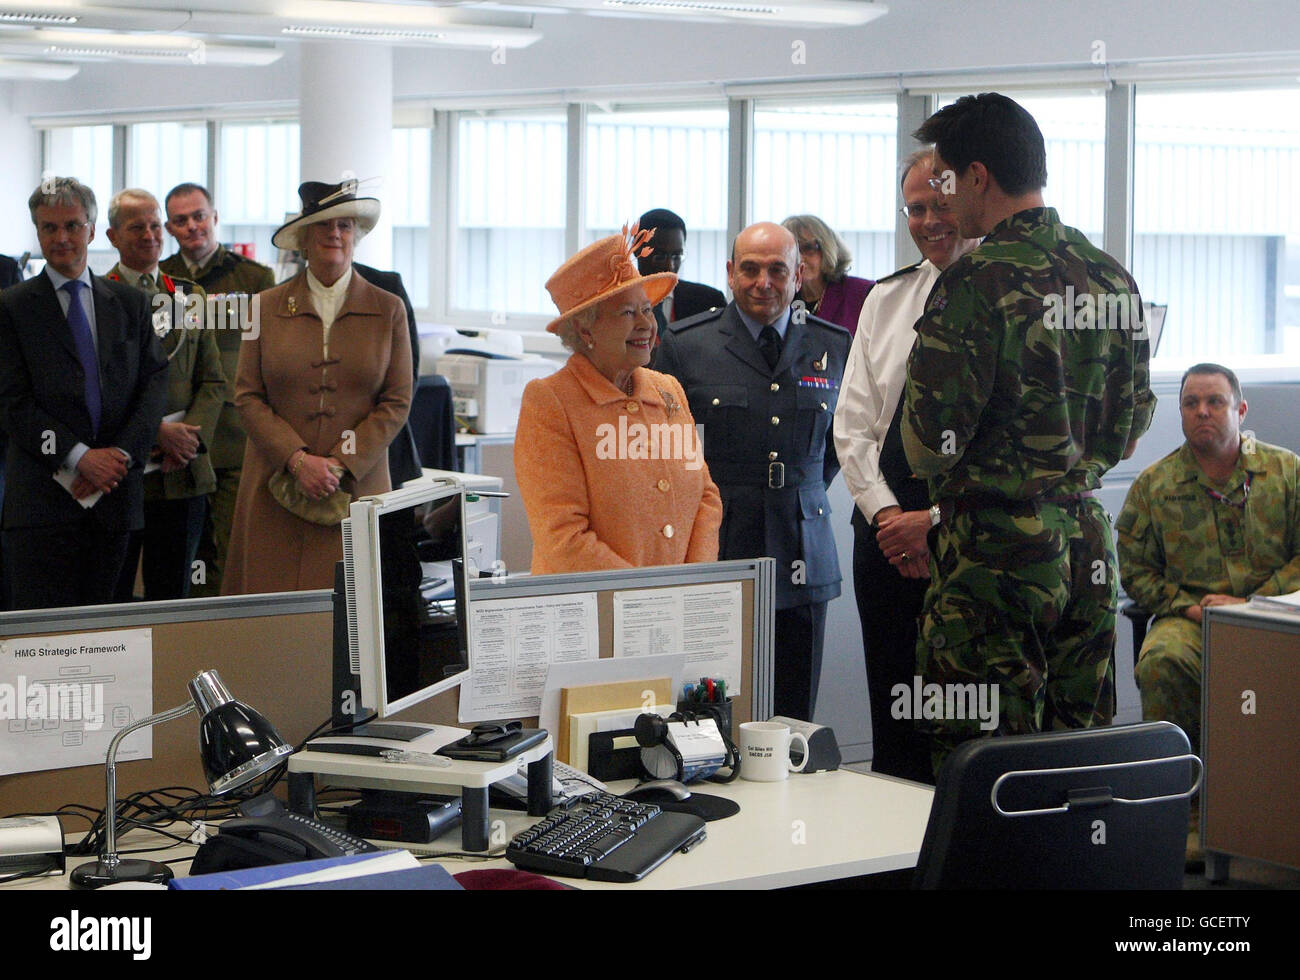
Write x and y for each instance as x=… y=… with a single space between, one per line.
x=920 y=210
x=71 y=227
x=810 y=248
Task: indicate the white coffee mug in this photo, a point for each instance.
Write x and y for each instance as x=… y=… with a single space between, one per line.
x=765 y=751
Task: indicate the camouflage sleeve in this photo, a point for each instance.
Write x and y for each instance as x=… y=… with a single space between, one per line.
x=1142 y=559
x=1287 y=578
x=950 y=374
x=1144 y=400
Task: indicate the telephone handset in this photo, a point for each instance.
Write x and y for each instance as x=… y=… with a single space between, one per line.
x=270 y=834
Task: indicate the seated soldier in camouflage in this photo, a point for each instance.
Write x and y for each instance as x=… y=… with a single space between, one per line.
x=1214 y=522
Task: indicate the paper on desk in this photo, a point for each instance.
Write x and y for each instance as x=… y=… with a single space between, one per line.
x=701 y=621
x=516 y=642
x=606 y=671
x=1278 y=603
x=63 y=698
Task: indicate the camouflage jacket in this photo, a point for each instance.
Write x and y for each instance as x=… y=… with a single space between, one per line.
x=226 y=274
x=1178 y=543
x=1014 y=390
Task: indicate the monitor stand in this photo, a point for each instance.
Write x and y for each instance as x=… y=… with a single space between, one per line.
x=354 y=760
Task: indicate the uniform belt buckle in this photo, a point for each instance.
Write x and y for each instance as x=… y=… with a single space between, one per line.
x=775 y=475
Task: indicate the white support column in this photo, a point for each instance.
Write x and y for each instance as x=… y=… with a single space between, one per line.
x=346 y=125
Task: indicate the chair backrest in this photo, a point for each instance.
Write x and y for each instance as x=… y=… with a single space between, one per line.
x=1092 y=808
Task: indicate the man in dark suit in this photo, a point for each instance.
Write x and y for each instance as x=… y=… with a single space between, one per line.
x=10 y=273
x=763 y=379
x=82 y=383
x=403 y=457
x=669 y=244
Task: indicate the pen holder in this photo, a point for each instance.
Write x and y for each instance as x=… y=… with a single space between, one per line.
x=719 y=711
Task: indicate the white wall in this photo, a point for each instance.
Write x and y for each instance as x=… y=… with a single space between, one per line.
x=21 y=171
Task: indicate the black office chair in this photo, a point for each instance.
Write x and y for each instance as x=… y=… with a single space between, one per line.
x=433 y=423
x=1092 y=808
x=1141 y=621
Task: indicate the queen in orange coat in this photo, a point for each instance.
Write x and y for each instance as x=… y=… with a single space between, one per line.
x=609 y=464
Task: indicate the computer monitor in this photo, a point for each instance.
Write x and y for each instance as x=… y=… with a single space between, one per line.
x=407 y=597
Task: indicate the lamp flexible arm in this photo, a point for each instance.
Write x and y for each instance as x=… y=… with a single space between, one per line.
x=110 y=842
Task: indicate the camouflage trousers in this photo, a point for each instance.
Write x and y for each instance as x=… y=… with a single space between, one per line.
x=1168 y=674
x=1025 y=602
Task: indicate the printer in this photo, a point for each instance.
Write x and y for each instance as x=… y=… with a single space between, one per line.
x=487 y=384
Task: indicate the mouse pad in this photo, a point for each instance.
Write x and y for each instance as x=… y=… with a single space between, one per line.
x=703 y=805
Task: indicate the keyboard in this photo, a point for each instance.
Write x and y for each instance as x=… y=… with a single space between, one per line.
x=604 y=838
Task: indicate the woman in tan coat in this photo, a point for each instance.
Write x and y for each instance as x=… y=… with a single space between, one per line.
x=610 y=468
x=322 y=390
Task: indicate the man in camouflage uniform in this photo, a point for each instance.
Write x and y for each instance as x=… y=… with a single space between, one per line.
x=1214 y=522
x=192 y=221
x=1013 y=413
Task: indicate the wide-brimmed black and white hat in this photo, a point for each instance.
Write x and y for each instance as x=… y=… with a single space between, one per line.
x=321 y=202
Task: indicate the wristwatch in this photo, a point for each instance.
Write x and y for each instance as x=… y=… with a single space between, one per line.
x=935 y=516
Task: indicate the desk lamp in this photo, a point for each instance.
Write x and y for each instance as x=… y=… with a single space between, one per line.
x=236 y=745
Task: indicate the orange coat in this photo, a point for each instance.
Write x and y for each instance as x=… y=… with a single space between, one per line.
x=290 y=398
x=611 y=481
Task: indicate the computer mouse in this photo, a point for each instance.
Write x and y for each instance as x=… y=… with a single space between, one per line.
x=658 y=791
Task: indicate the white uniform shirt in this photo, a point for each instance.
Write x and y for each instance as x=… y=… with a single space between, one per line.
x=873 y=382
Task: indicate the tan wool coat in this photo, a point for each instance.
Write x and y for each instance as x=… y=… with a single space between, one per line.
x=603 y=493
x=290 y=397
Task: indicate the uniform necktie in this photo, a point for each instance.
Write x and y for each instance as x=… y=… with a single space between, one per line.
x=769 y=342
x=80 y=327
x=146 y=282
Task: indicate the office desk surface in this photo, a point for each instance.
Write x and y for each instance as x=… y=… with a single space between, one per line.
x=819 y=827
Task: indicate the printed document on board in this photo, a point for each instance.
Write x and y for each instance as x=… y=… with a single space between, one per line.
x=515 y=641
x=63 y=698
x=701 y=621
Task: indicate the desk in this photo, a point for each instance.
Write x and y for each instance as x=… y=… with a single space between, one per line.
x=1249 y=806
x=819 y=827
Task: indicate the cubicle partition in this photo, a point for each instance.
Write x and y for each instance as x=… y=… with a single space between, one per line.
x=275 y=653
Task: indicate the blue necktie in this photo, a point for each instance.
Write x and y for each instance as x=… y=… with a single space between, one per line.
x=85 y=348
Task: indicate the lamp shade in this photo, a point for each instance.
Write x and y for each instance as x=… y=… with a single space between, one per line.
x=236 y=744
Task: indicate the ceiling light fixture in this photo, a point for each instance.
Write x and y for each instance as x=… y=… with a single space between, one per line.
x=38 y=18
x=363 y=33
x=725 y=8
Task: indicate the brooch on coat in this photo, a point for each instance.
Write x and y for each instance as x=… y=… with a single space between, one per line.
x=292 y=303
x=670 y=402
x=820 y=364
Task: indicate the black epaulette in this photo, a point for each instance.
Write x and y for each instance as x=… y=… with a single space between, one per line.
x=905 y=270
x=708 y=316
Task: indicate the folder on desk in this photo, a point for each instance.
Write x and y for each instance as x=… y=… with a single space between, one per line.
x=321 y=871
x=606 y=697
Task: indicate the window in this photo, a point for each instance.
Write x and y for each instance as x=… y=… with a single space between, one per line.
x=1217 y=220
x=508 y=231
x=257 y=185
x=86 y=153
x=834 y=160
x=1074 y=134
x=407 y=199
x=662 y=158
x=161 y=155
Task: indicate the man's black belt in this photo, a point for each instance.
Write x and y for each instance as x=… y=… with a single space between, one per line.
x=772 y=475
x=969 y=502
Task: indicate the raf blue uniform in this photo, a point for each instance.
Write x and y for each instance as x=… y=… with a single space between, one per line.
x=769 y=448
